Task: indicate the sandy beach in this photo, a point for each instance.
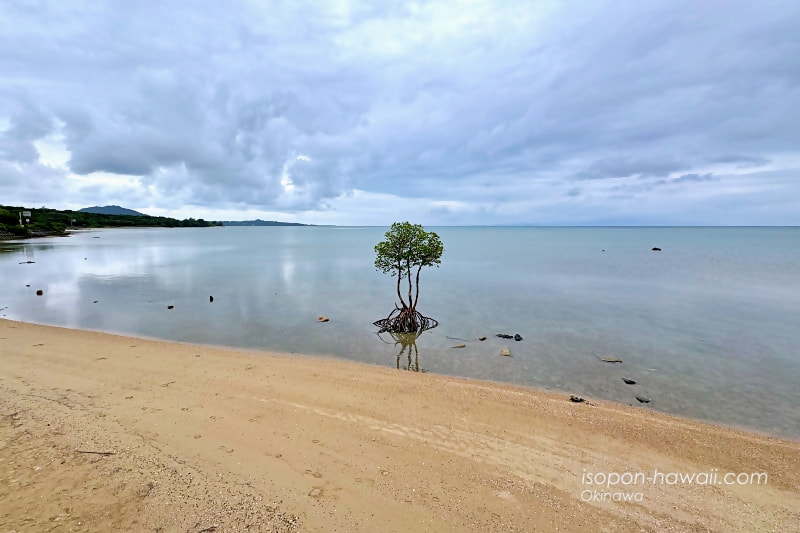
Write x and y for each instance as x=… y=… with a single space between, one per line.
x=101 y=432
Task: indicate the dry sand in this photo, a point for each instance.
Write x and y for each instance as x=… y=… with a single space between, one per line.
x=107 y=433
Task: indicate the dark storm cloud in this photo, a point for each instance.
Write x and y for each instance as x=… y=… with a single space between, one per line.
x=292 y=106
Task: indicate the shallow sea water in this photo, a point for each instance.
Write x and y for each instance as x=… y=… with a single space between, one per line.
x=709 y=327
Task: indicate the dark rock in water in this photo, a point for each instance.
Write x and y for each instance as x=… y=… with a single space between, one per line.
x=505 y=336
x=643 y=399
x=210 y=298
x=27 y=284
x=39 y=292
x=656 y=249
x=94 y=302
x=481 y=338
x=27 y=262
x=628 y=381
x=170 y=306
x=517 y=337
x=610 y=359
x=576 y=399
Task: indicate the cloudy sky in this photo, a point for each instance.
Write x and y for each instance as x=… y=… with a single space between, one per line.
x=452 y=112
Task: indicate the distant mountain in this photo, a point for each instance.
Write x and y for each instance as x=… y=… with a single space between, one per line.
x=259 y=222
x=111 y=210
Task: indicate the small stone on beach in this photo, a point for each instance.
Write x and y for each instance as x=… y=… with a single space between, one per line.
x=643 y=399
x=462 y=345
x=611 y=359
x=506 y=352
x=576 y=399
x=323 y=319
x=628 y=381
x=481 y=338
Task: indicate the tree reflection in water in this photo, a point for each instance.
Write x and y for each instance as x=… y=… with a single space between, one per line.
x=408 y=347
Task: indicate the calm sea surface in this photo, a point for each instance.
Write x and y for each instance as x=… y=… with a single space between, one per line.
x=708 y=328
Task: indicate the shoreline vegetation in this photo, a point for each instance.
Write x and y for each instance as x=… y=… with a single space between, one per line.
x=104 y=432
x=46 y=222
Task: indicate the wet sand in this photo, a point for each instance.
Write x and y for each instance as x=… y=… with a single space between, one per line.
x=101 y=432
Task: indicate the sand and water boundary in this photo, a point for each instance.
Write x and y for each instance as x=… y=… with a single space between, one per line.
x=102 y=432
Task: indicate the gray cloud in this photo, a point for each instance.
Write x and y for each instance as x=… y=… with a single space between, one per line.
x=694 y=178
x=293 y=107
x=741 y=161
x=26 y=124
x=622 y=167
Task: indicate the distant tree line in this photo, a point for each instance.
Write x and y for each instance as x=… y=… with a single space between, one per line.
x=259 y=222
x=46 y=221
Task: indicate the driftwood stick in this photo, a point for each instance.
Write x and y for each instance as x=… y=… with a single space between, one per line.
x=95 y=452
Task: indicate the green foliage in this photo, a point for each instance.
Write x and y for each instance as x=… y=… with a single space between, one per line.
x=408 y=246
x=19 y=231
x=8 y=218
x=58 y=227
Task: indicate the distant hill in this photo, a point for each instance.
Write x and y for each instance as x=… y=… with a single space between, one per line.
x=259 y=222
x=111 y=210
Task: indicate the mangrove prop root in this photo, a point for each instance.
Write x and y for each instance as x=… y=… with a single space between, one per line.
x=405 y=320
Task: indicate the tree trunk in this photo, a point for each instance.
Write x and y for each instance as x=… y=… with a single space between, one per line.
x=408 y=273
x=416 y=296
x=398 y=289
